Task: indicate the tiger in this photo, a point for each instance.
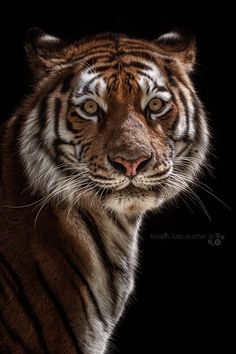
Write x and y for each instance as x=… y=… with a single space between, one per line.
x=113 y=129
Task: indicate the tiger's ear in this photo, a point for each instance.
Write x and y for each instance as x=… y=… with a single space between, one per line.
x=181 y=45
x=43 y=50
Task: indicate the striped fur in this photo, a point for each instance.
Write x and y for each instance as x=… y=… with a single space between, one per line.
x=69 y=214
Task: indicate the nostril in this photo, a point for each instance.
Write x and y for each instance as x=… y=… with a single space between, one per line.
x=129 y=167
x=143 y=164
x=117 y=166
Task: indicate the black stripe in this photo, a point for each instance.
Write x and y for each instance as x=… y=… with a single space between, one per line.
x=97 y=89
x=5 y=350
x=183 y=149
x=25 y=303
x=93 y=230
x=148 y=77
x=82 y=119
x=170 y=76
x=94 y=157
x=59 y=153
x=116 y=221
x=85 y=150
x=140 y=54
x=42 y=117
x=196 y=120
x=186 y=111
x=87 y=91
x=42 y=114
x=82 y=150
x=84 y=307
x=2 y=290
x=137 y=65
x=133 y=219
x=102 y=68
x=57 y=111
x=97 y=49
x=86 y=284
x=2 y=133
x=70 y=127
x=14 y=336
x=173 y=127
x=98 y=56
x=89 y=83
x=66 y=85
x=163 y=89
x=15 y=132
x=59 y=308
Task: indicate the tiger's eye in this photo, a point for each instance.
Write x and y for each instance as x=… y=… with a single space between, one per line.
x=90 y=107
x=155 y=105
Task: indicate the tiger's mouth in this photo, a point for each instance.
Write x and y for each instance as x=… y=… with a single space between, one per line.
x=132 y=191
x=134 y=186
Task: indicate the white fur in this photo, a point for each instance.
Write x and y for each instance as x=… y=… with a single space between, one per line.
x=49 y=38
x=169 y=35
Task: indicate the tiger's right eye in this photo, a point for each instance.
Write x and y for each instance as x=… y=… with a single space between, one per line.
x=155 y=105
x=90 y=107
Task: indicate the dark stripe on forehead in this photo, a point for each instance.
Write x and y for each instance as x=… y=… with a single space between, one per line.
x=139 y=54
x=136 y=65
x=103 y=67
x=136 y=43
x=116 y=65
x=97 y=49
x=94 y=58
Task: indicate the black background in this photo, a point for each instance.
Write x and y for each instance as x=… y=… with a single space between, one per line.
x=183 y=299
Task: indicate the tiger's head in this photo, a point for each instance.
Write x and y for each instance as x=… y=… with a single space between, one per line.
x=113 y=118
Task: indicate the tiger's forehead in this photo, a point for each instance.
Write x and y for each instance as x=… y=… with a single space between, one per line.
x=143 y=77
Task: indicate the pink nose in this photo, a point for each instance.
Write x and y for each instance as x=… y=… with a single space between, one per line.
x=131 y=166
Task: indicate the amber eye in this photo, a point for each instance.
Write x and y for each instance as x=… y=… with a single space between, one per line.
x=90 y=107
x=155 y=105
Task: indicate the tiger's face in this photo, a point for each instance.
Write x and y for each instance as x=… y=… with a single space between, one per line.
x=125 y=118
x=120 y=120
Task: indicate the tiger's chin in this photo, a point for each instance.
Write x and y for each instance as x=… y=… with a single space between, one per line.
x=132 y=200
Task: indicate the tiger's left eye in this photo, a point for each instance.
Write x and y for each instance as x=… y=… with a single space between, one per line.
x=155 y=105
x=90 y=107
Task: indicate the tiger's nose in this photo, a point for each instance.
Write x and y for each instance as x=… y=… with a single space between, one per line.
x=129 y=167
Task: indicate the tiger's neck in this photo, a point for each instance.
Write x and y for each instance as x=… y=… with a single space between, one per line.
x=104 y=247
